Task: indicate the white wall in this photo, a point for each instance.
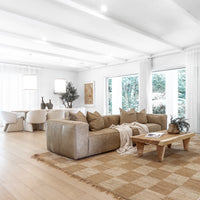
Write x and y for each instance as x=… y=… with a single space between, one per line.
x=172 y=61
x=99 y=75
x=46 y=84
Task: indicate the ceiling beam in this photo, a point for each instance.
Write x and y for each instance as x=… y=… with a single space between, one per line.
x=40 y=66
x=51 y=54
x=188 y=13
x=68 y=47
x=75 y=32
x=59 y=45
x=80 y=7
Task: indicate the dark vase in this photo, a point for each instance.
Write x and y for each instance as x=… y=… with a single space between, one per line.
x=43 y=105
x=173 y=129
x=49 y=105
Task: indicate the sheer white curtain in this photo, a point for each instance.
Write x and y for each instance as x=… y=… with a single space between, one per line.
x=12 y=94
x=193 y=87
x=145 y=85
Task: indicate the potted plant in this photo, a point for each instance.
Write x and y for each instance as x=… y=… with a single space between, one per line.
x=178 y=124
x=69 y=96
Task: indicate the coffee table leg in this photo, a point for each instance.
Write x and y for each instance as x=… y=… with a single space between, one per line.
x=140 y=148
x=186 y=144
x=161 y=152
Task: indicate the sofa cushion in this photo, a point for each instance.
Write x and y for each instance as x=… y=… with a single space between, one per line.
x=127 y=116
x=153 y=127
x=111 y=119
x=160 y=119
x=154 y=119
x=103 y=140
x=95 y=121
x=141 y=116
x=77 y=117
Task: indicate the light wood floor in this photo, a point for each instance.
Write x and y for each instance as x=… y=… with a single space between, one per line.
x=23 y=178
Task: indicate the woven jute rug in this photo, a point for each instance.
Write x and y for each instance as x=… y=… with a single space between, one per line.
x=138 y=178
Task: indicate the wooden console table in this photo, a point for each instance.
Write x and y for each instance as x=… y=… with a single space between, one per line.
x=161 y=142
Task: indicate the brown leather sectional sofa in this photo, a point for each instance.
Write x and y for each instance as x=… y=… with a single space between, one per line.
x=74 y=140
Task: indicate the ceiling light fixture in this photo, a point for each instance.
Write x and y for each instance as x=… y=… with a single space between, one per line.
x=104 y=8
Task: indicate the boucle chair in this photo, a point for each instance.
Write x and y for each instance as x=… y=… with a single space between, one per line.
x=56 y=114
x=35 y=120
x=11 y=121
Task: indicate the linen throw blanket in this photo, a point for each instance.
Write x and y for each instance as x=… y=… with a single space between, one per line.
x=126 y=145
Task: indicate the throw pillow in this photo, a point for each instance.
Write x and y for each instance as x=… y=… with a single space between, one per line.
x=77 y=117
x=142 y=117
x=156 y=119
x=95 y=120
x=127 y=116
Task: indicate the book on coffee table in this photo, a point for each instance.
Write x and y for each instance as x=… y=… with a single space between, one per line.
x=154 y=135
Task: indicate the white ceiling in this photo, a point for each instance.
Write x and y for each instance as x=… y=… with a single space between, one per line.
x=76 y=35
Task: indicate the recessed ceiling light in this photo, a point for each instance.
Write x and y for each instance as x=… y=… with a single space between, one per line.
x=104 y=8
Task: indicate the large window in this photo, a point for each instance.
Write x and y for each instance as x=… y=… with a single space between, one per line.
x=181 y=92
x=158 y=92
x=168 y=89
x=122 y=92
x=18 y=87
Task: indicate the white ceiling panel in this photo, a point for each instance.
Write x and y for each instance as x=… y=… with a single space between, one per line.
x=79 y=21
x=164 y=19
x=25 y=26
x=76 y=34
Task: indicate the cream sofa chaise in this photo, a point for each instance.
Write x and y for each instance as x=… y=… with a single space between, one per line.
x=74 y=140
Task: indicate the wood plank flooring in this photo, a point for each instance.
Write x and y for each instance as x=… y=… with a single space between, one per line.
x=23 y=178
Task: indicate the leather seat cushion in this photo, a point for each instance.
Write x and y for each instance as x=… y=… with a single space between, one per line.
x=103 y=140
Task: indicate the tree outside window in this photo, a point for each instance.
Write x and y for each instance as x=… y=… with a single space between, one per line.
x=161 y=98
x=122 y=92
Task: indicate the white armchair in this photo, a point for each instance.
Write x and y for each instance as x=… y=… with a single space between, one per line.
x=56 y=114
x=35 y=120
x=11 y=121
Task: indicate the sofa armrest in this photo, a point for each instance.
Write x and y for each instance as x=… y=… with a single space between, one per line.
x=68 y=138
x=160 y=119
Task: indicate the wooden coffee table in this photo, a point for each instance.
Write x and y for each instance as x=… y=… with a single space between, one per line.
x=162 y=142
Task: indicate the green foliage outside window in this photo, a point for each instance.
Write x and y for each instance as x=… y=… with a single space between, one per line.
x=130 y=92
x=158 y=88
x=181 y=92
x=110 y=96
x=159 y=98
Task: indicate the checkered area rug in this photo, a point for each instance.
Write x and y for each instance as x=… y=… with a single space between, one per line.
x=138 y=178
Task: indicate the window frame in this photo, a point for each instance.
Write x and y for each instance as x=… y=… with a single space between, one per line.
x=165 y=70
x=106 y=81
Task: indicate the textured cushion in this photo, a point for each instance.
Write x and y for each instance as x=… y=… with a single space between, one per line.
x=104 y=140
x=77 y=117
x=111 y=119
x=160 y=119
x=95 y=121
x=153 y=127
x=154 y=119
x=127 y=116
x=141 y=116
